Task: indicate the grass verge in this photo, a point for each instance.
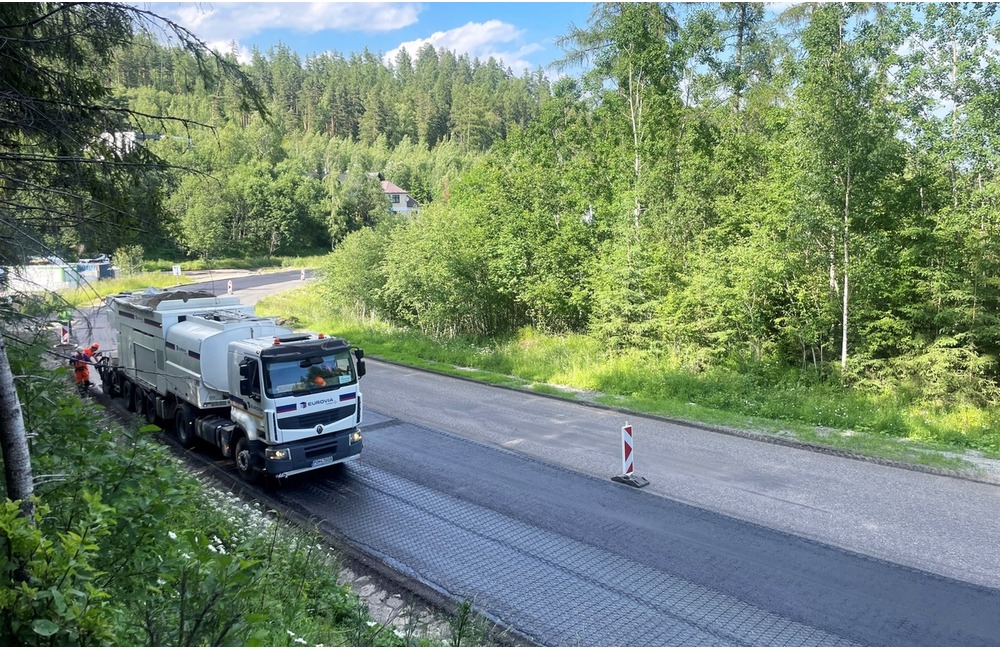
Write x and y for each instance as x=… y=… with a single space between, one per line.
x=248 y=263
x=96 y=291
x=765 y=402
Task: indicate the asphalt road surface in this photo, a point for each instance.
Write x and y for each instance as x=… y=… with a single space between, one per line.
x=504 y=498
x=569 y=559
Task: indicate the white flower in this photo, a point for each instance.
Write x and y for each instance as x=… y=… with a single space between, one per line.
x=171 y=534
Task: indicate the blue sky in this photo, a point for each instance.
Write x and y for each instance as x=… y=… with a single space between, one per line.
x=522 y=34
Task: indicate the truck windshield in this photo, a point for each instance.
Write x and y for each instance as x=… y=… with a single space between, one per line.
x=312 y=374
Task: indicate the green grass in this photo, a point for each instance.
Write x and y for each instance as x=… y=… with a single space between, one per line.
x=157 y=273
x=248 y=263
x=762 y=400
x=96 y=291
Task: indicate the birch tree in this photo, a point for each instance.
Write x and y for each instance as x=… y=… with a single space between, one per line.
x=628 y=47
x=847 y=147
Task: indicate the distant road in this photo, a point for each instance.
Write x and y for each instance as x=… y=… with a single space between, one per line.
x=252 y=287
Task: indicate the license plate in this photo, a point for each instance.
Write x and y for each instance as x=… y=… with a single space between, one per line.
x=319 y=462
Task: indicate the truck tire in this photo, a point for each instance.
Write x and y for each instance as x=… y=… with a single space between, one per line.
x=184 y=426
x=244 y=460
x=107 y=378
x=128 y=395
x=148 y=406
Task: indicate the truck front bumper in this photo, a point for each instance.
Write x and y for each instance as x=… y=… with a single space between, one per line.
x=312 y=453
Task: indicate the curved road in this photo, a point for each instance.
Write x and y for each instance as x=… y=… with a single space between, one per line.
x=504 y=498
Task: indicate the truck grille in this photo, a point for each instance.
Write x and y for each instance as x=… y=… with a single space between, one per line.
x=323 y=447
x=312 y=419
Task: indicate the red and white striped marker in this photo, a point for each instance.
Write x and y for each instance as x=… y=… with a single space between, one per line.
x=64 y=336
x=229 y=286
x=628 y=461
x=628 y=466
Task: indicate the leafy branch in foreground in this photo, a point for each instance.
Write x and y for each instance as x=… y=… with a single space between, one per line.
x=65 y=172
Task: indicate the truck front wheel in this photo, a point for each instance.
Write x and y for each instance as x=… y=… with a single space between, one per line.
x=244 y=461
x=183 y=427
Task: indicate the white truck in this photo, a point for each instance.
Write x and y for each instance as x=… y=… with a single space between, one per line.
x=275 y=401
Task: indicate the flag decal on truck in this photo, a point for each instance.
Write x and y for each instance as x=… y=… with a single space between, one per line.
x=346 y=397
x=287 y=408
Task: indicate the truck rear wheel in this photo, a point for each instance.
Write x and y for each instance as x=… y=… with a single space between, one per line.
x=244 y=461
x=148 y=400
x=128 y=394
x=183 y=426
x=107 y=376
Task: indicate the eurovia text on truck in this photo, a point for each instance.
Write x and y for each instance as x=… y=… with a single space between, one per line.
x=275 y=401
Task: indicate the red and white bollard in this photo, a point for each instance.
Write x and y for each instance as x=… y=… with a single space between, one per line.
x=229 y=287
x=628 y=461
x=64 y=336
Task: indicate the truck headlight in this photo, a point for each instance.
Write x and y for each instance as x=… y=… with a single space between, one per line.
x=278 y=454
x=355 y=437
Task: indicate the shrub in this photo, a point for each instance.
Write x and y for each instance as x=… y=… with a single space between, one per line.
x=128 y=259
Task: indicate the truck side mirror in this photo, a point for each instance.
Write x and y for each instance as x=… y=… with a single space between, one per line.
x=359 y=354
x=247 y=371
x=361 y=368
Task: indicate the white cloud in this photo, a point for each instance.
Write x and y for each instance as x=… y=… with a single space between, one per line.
x=243 y=54
x=226 y=21
x=493 y=38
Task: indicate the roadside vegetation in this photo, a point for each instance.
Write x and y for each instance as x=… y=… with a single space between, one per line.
x=126 y=548
x=577 y=366
x=157 y=274
x=262 y=264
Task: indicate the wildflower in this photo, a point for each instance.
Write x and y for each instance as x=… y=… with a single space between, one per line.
x=171 y=534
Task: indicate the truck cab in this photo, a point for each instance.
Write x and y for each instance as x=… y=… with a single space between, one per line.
x=298 y=400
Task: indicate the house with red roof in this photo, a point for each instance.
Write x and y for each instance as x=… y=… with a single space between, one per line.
x=401 y=201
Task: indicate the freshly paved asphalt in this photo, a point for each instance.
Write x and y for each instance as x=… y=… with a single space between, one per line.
x=940 y=524
x=575 y=560
x=504 y=498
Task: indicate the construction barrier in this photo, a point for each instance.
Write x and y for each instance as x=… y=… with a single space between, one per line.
x=628 y=461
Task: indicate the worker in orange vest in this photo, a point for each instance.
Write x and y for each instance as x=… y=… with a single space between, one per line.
x=81 y=361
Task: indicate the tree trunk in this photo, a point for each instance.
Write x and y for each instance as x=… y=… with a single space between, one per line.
x=635 y=117
x=14 y=440
x=847 y=233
